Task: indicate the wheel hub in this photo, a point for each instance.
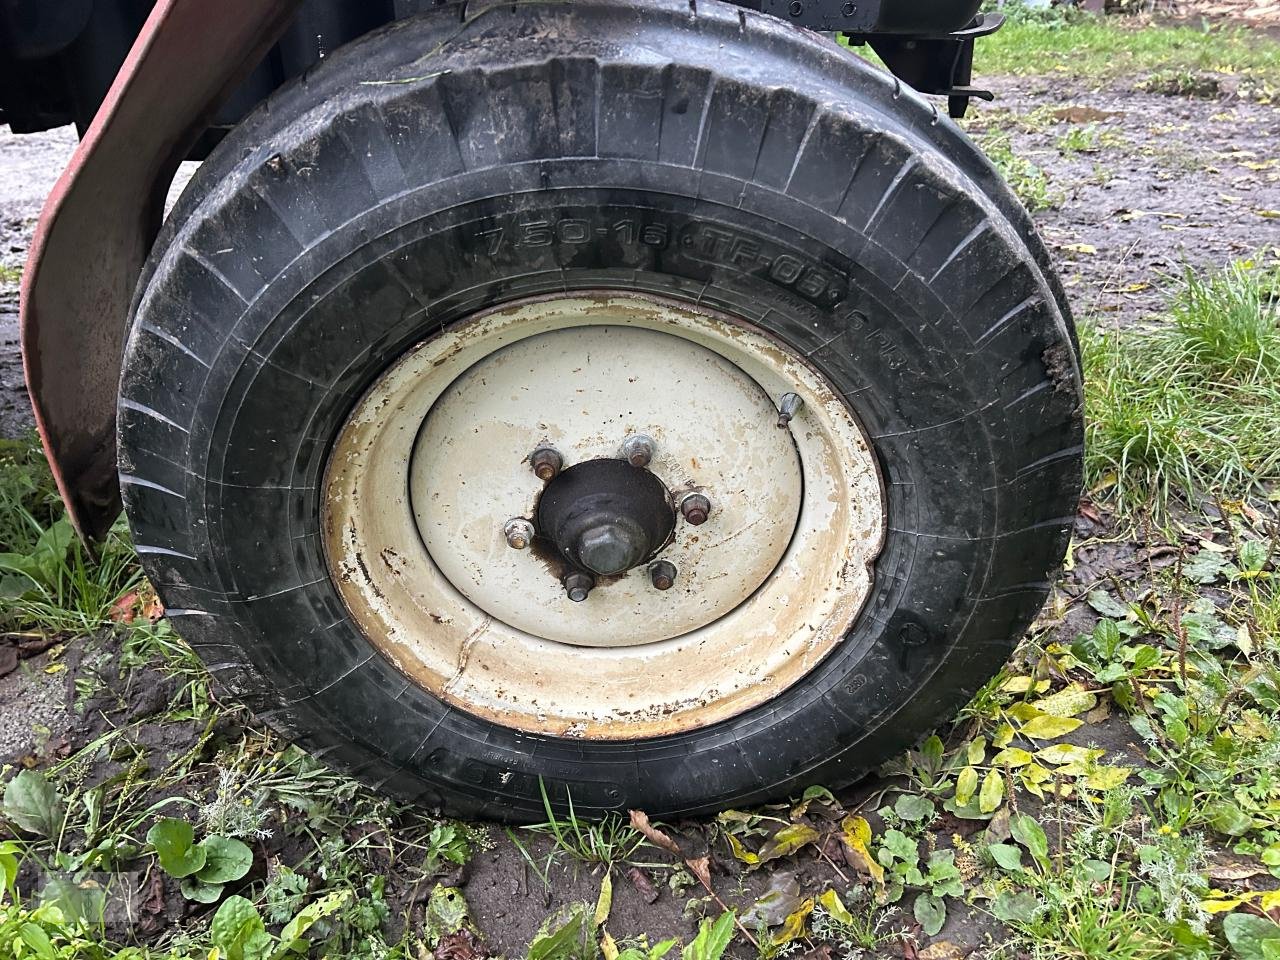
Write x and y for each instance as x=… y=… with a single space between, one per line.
x=606 y=516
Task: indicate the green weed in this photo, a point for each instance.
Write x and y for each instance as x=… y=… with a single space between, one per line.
x=1188 y=409
x=1081 y=45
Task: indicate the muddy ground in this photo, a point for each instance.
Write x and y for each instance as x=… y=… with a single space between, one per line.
x=1161 y=181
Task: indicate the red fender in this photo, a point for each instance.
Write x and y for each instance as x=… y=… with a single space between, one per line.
x=99 y=222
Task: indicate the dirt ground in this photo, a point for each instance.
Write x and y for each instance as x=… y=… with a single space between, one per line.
x=1161 y=181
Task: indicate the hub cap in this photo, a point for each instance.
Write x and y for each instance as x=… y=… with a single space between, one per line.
x=702 y=494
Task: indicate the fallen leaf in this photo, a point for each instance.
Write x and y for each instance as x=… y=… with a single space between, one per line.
x=640 y=821
x=777 y=903
x=1049 y=728
x=942 y=950
x=644 y=886
x=855 y=834
x=787 y=841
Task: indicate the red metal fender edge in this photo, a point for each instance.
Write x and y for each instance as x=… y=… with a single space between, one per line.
x=99 y=222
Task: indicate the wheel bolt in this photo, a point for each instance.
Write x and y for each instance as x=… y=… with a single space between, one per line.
x=519 y=533
x=545 y=462
x=577 y=585
x=662 y=574
x=695 y=508
x=638 y=450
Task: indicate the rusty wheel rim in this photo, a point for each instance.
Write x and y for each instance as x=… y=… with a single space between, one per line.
x=431 y=516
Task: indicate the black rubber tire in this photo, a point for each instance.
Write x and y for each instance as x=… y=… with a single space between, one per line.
x=355 y=214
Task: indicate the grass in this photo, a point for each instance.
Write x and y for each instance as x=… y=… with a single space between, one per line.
x=1189 y=409
x=1083 y=45
x=48 y=582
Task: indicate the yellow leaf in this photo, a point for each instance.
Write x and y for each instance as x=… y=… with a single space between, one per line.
x=855 y=834
x=1107 y=778
x=1270 y=900
x=604 y=903
x=1070 y=701
x=1049 y=728
x=793 y=926
x=832 y=903
x=992 y=792
x=1270 y=214
x=966 y=785
x=1024 y=684
x=1023 y=712
x=1219 y=906
x=1061 y=753
x=1011 y=757
x=741 y=852
x=787 y=841
x=977 y=750
x=1002 y=736
x=1085 y=248
x=608 y=947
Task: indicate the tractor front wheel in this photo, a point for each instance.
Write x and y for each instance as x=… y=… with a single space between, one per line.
x=657 y=407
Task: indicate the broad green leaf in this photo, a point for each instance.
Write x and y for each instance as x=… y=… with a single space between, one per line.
x=1254 y=555
x=966 y=785
x=225 y=860
x=931 y=912
x=237 y=929
x=1031 y=835
x=992 y=791
x=173 y=843
x=35 y=938
x=1049 y=728
x=1226 y=817
x=34 y=804
x=1252 y=938
x=1006 y=855
x=913 y=806
x=712 y=940
x=306 y=918
x=198 y=891
x=1020 y=907
x=1107 y=605
x=565 y=936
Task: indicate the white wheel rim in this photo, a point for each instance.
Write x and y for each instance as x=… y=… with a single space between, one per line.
x=434 y=461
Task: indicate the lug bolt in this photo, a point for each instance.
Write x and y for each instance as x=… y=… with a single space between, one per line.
x=662 y=574
x=638 y=450
x=577 y=585
x=519 y=533
x=545 y=463
x=788 y=407
x=695 y=508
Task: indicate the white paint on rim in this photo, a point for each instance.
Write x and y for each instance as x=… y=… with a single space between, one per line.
x=434 y=461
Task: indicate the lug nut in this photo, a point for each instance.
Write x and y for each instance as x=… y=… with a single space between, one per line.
x=788 y=407
x=695 y=508
x=662 y=574
x=519 y=533
x=545 y=463
x=577 y=585
x=638 y=450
